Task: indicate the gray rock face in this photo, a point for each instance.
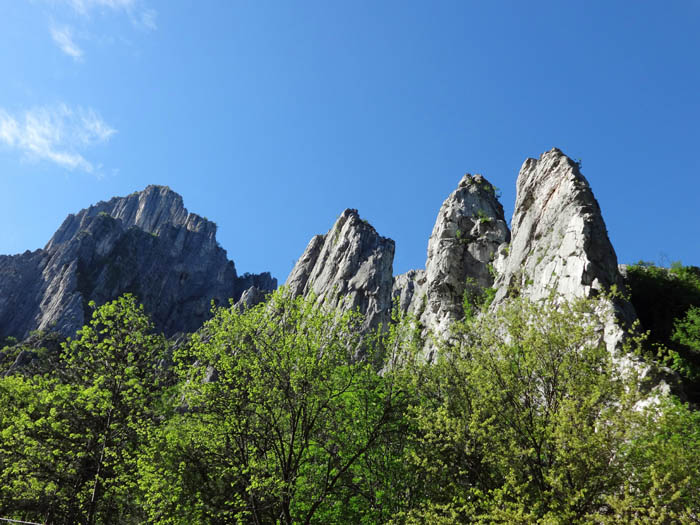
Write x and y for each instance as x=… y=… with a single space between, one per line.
x=146 y=243
x=467 y=233
x=21 y=278
x=470 y=227
x=559 y=240
x=560 y=245
x=409 y=290
x=251 y=297
x=349 y=267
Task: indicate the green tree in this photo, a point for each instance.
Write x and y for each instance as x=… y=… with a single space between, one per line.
x=43 y=458
x=283 y=423
x=667 y=301
x=524 y=418
x=71 y=438
x=687 y=330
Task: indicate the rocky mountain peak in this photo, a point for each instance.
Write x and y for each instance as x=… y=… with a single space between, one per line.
x=146 y=243
x=150 y=210
x=348 y=267
x=559 y=241
x=469 y=228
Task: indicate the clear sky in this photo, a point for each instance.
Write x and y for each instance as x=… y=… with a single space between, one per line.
x=271 y=117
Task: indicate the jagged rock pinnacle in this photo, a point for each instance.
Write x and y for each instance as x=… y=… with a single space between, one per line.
x=469 y=228
x=559 y=243
x=350 y=267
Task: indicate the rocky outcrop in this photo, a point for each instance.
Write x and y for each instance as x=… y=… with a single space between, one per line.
x=349 y=267
x=251 y=297
x=146 y=243
x=408 y=291
x=470 y=227
x=560 y=246
x=559 y=241
x=467 y=233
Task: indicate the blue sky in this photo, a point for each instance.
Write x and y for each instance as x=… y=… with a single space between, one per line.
x=271 y=117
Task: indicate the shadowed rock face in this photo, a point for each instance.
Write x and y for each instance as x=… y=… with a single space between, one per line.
x=559 y=241
x=146 y=243
x=350 y=267
x=470 y=227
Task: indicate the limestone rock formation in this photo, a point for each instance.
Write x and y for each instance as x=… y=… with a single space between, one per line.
x=470 y=227
x=409 y=291
x=560 y=245
x=350 y=267
x=559 y=241
x=146 y=243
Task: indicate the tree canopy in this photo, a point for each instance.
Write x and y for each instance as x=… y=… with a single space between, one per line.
x=287 y=413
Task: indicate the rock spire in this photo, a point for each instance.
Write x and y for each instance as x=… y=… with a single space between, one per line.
x=350 y=267
x=469 y=228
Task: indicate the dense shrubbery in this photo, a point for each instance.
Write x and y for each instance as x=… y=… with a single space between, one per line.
x=283 y=414
x=667 y=301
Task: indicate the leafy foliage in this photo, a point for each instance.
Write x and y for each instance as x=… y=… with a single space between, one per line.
x=525 y=419
x=667 y=301
x=289 y=420
x=285 y=413
x=71 y=437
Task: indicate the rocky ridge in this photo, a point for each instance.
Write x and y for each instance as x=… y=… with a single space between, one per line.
x=348 y=267
x=559 y=244
x=146 y=243
x=149 y=244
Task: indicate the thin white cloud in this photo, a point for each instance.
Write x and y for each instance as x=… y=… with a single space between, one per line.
x=57 y=134
x=137 y=11
x=63 y=36
x=141 y=16
x=85 y=6
x=146 y=19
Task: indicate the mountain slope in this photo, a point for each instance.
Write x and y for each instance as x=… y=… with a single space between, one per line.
x=146 y=243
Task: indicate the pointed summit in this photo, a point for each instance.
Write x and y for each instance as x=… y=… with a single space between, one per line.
x=146 y=243
x=350 y=266
x=468 y=230
x=559 y=241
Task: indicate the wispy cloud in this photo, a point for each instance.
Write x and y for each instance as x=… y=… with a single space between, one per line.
x=146 y=19
x=141 y=16
x=63 y=36
x=84 y=6
x=57 y=134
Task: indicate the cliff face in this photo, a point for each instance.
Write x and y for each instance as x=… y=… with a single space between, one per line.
x=560 y=242
x=348 y=267
x=559 y=245
x=470 y=227
x=146 y=243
